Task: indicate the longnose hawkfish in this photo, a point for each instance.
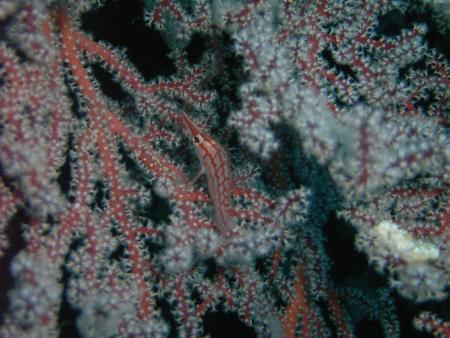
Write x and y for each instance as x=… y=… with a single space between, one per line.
x=215 y=164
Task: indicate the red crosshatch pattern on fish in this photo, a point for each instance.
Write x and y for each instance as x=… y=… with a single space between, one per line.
x=216 y=166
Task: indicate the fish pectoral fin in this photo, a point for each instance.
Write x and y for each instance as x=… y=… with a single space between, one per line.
x=194 y=180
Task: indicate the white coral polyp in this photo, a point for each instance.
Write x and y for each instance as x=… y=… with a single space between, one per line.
x=402 y=244
x=420 y=275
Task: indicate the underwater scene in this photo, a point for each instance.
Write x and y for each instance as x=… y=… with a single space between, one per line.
x=224 y=168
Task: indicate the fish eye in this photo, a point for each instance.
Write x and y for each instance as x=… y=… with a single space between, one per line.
x=196 y=139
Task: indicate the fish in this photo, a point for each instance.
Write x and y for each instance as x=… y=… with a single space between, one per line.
x=215 y=165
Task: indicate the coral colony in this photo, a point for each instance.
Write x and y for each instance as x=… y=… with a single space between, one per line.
x=220 y=174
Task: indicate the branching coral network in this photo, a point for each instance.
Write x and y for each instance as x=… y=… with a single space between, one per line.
x=135 y=205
